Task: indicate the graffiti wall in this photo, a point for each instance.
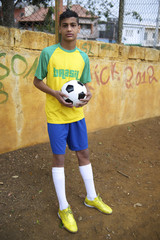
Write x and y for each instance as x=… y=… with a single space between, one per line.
x=125 y=86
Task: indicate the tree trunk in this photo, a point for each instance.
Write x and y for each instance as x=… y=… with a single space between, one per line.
x=58 y=11
x=8 y=13
x=120 y=20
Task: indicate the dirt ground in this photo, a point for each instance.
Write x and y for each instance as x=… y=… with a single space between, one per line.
x=126 y=166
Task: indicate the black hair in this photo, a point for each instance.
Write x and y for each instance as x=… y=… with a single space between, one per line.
x=67 y=14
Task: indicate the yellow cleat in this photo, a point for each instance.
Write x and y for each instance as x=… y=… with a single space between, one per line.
x=98 y=204
x=68 y=220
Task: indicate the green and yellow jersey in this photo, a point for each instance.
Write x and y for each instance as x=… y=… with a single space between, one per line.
x=59 y=66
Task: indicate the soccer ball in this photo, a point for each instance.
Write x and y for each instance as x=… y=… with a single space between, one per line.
x=75 y=91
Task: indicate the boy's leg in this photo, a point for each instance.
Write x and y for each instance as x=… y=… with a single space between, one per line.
x=59 y=180
x=85 y=169
x=78 y=141
x=92 y=200
x=58 y=134
x=65 y=212
x=58 y=160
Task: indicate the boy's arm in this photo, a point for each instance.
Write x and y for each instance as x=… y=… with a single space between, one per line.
x=57 y=94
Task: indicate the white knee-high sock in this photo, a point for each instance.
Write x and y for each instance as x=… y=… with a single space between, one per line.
x=87 y=175
x=59 y=183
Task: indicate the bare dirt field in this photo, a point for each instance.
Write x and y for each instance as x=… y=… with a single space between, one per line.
x=126 y=166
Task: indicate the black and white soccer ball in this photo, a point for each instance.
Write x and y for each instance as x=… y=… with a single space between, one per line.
x=75 y=90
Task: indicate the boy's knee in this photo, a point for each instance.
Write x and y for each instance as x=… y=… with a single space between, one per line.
x=83 y=157
x=58 y=160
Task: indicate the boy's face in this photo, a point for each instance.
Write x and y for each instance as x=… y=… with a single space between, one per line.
x=69 y=29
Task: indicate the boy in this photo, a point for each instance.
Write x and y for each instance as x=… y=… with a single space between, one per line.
x=66 y=124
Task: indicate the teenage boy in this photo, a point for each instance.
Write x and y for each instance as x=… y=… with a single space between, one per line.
x=61 y=63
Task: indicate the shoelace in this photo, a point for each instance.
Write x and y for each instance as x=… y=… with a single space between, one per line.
x=100 y=199
x=69 y=211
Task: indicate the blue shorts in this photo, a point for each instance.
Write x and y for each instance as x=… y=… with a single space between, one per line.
x=74 y=134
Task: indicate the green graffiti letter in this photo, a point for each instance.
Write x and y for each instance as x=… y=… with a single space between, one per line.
x=33 y=68
x=4 y=67
x=84 y=47
x=17 y=56
x=4 y=93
